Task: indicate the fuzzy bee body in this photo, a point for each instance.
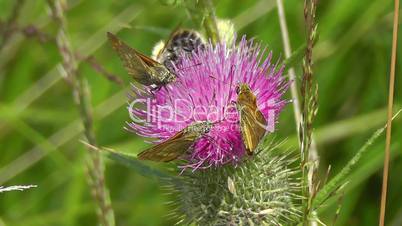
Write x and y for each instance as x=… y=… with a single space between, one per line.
x=182 y=42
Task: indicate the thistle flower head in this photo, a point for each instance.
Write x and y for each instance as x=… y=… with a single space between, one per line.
x=205 y=90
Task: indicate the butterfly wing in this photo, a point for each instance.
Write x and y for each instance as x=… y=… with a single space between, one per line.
x=253 y=125
x=252 y=121
x=168 y=150
x=147 y=60
x=137 y=65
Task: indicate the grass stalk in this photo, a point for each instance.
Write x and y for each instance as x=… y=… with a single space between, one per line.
x=288 y=52
x=81 y=92
x=47 y=81
x=389 y=115
x=59 y=138
x=8 y=28
x=309 y=106
x=313 y=154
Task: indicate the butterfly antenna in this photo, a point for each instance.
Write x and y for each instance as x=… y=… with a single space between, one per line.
x=231 y=82
x=213 y=77
x=213 y=98
x=188 y=67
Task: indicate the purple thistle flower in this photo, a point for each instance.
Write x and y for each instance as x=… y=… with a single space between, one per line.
x=205 y=90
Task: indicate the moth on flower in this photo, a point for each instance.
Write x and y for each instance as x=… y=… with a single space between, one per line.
x=252 y=121
x=161 y=70
x=143 y=69
x=177 y=145
x=206 y=93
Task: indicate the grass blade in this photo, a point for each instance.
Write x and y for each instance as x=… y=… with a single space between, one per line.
x=340 y=179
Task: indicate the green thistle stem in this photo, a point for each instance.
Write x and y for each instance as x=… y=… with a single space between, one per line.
x=202 y=13
x=209 y=21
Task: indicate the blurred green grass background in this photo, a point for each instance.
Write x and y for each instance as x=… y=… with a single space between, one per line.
x=40 y=128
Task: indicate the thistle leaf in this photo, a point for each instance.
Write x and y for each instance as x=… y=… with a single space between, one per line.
x=133 y=163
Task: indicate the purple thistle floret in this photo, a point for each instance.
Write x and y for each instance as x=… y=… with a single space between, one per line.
x=205 y=89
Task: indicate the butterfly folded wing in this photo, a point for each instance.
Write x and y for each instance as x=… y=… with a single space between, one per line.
x=168 y=150
x=136 y=64
x=253 y=126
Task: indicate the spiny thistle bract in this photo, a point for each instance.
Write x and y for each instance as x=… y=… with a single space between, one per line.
x=205 y=90
x=260 y=191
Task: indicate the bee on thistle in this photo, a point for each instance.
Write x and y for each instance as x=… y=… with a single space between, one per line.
x=181 y=43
